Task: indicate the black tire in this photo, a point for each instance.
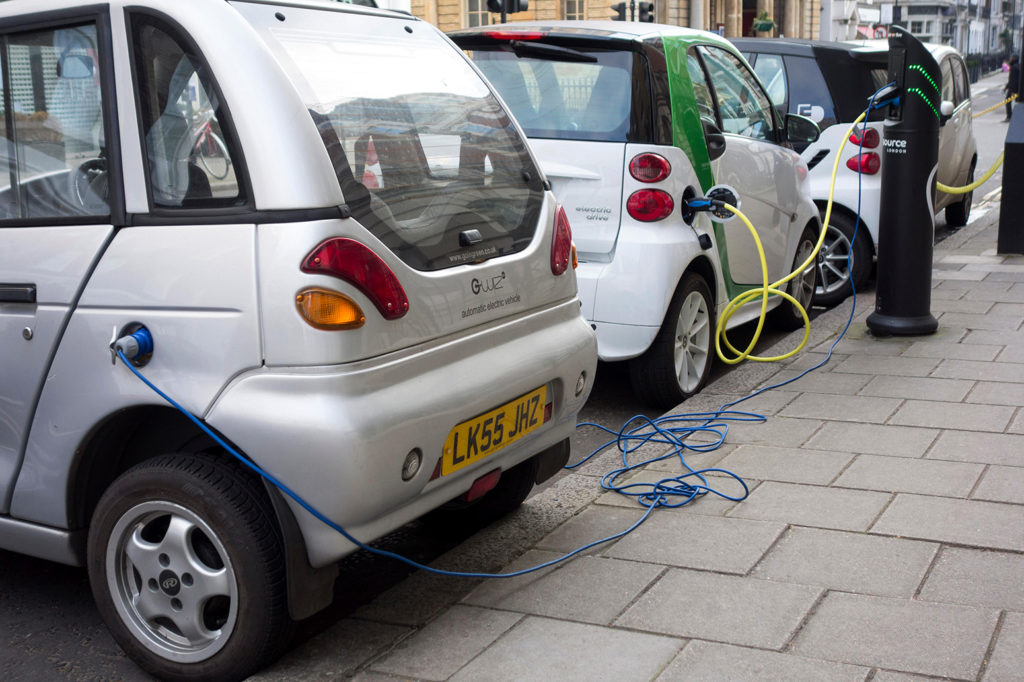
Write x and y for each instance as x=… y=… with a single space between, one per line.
x=833 y=285
x=787 y=316
x=186 y=566
x=678 y=362
x=958 y=213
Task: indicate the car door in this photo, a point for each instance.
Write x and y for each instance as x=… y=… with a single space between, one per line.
x=762 y=172
x=947 y=136
x=57 y=201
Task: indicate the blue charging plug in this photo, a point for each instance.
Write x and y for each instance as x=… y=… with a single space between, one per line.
x=136 y=346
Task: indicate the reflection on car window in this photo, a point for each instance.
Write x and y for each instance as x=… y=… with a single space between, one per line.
x=425 y=155
x=769 y=70
x=577 y=100
x=54 y=145
x=948 y=89
x=191 y=164
x=743 y=107
x=701 y=92
x=963 y=88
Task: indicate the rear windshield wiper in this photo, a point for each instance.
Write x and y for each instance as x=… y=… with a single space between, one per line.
x=523 y=48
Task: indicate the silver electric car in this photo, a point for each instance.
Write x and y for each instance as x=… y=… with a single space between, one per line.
x=351 y=270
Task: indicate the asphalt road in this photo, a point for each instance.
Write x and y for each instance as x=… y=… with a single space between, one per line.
x=49 y=626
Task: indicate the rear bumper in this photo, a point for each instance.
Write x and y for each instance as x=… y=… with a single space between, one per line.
x=338 y=436
x=629 y=296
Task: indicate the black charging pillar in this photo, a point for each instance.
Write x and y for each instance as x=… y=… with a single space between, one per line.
x=1010 y=239
x=906 y=223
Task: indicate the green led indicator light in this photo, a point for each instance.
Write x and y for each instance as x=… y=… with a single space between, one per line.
x=920 y=69
x=919 y=93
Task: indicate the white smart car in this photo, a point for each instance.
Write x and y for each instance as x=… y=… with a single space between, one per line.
x=188 y=176
x=630 y=121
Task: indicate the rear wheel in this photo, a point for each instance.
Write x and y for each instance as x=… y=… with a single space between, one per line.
x=185 y=563
x=787 y=316
x=678 y=362
x=958 y=213
x=835 y=264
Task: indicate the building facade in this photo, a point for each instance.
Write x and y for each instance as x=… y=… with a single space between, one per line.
x=731 y=18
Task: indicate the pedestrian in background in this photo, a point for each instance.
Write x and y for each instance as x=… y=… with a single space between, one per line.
x=1012 y=86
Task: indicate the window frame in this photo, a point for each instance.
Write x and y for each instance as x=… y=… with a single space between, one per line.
x=246 y=203
x=99 y=16
x=483 y=14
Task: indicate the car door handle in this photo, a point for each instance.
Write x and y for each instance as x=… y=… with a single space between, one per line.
x=17 y=293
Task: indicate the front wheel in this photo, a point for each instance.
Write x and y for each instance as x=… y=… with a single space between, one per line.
x=678 y=362
x=843 y=252
x=185 y=564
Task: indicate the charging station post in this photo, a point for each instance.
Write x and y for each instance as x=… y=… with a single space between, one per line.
x=906 y=225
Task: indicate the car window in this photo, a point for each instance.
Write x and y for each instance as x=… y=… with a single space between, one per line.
x=54 y=146
x=426 y=157
x=190 y=153
x=771 y=72
x=948 y=87
x=566 y=100
x=963 y=88
x=701 y=91
x=808 y=94
x=743 y=107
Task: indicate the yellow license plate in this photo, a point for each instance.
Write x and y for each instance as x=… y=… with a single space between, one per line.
x=473 y=440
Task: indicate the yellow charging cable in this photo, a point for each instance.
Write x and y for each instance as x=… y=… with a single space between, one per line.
x=765 y=290
x=977 y=183
x=974 y=185
x=995 y=106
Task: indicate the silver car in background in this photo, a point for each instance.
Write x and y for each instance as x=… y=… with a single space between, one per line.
x=351 y=269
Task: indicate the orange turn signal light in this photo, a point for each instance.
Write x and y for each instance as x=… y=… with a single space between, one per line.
x=329 y=310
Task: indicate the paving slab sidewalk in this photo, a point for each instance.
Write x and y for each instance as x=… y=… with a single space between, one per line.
x=883 y=537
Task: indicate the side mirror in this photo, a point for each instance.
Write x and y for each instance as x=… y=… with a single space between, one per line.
x=945 y=112
x=801 y=130
x=714 y=138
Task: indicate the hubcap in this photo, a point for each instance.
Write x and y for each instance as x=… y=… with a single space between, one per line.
x=172 y=581
x=833 y=266
x=803 y=284
x=693 y=341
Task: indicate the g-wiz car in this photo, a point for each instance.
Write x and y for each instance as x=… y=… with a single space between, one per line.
x=628 y=121
x=832 y=83
x=380 y=351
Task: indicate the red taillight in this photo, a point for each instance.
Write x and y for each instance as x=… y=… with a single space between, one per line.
x=648 y=205
x=867 y=163
x=514 y=35
x=354 y=263
x=649 y=168
x=870 y=135
x=561 y=243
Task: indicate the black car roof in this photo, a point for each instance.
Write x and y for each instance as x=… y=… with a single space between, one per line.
x=810 y=48
x=846 y=67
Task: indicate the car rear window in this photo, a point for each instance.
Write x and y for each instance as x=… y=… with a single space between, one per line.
x=578 y=94
x=427 y=158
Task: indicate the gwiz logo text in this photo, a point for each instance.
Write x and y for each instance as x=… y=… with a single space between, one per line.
x=488 y=284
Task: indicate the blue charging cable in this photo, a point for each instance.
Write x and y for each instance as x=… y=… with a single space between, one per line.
x=672 y=430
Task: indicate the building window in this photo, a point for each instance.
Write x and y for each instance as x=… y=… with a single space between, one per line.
x=477 y=14
x=916 y=27
x=574 y=9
